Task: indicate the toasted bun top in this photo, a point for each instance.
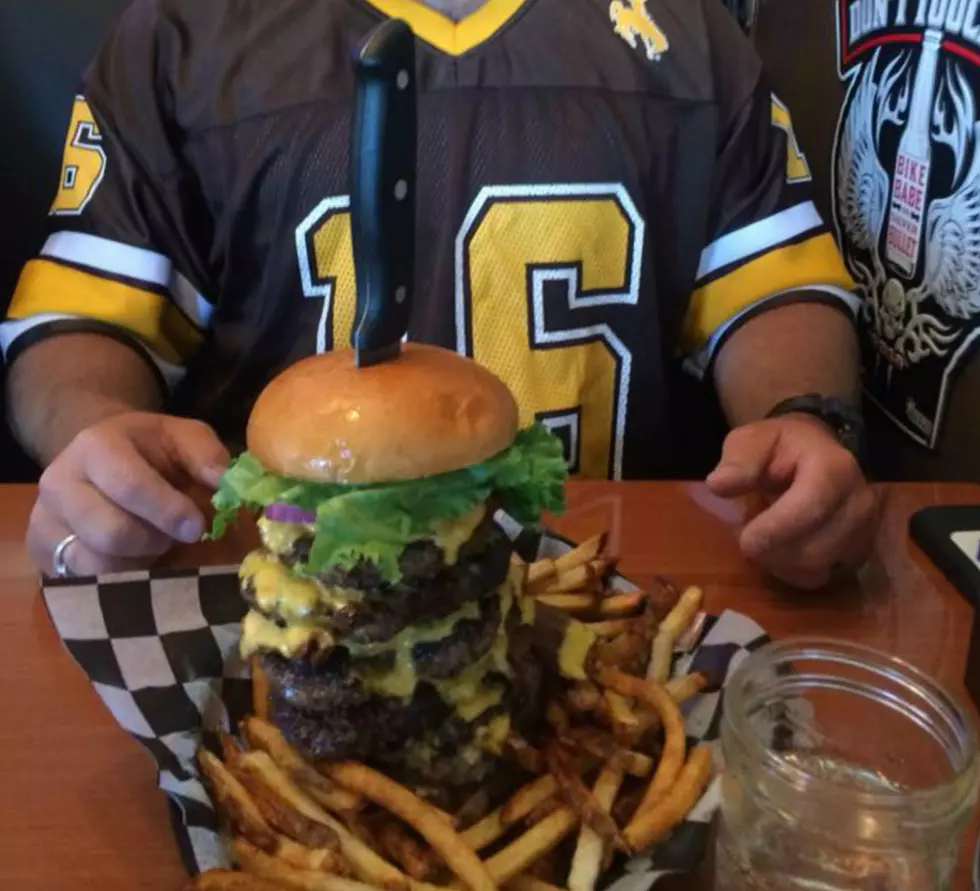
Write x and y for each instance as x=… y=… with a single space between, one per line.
x=426 y=412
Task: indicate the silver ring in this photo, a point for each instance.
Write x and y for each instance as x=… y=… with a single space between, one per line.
x=61 y=569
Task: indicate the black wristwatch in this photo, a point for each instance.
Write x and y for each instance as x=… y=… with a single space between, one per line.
x=844 y=420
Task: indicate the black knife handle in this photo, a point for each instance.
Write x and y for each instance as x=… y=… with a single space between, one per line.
x=382 y=172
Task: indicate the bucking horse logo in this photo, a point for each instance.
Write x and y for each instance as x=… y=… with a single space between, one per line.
x=632 y=21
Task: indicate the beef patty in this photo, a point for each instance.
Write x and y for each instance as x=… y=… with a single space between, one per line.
x=328 y=714
x=325 y=683
x=428 y=589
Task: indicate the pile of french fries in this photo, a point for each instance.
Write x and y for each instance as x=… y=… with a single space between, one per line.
x=611 y=774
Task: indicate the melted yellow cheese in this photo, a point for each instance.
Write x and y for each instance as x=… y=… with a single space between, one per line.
x=451 y=535
x=258 y=633
x=574 y=650
x=280 y=537
x=400 y=680
x=492 y=735
x=292 y=597
x=469 y=692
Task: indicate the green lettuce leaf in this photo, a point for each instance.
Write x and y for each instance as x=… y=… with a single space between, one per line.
x=376 y=522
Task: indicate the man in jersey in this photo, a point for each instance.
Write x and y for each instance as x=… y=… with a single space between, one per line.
x=602 y=186
x=891 y=92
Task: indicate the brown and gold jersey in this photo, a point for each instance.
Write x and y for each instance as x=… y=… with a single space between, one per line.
x=603 y=188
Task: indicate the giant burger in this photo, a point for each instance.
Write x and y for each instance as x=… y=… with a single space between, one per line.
x=382 y=604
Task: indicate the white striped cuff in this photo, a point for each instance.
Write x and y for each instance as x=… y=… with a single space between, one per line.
x=13 y=329
x=140 y=264
x=699 y=363
x=758 y=237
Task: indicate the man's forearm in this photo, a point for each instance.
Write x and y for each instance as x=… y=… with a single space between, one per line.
x=61 y=386
x=787 y=351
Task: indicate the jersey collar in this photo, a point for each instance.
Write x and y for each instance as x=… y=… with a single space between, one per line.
x=452 y=38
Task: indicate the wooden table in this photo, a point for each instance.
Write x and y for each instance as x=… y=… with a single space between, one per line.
x=79 y=807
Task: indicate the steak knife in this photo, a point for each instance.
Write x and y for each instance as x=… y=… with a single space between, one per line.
x=382 y=200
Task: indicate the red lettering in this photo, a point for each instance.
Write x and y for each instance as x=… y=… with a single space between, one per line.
x=915 y=198
x=902 y=243
x=900 y=166
x=923 y=172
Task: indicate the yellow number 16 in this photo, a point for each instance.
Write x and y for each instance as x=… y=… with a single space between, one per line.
x=538 y=272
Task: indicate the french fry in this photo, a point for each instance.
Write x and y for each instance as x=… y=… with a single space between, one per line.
x=580 y=797
x=283 y=816
x=598 y=744
x=625 y=723
x=232 y=798
x=412 y=857
x=418 y=814
x=675 y=624
x=260 y=689
x=679 y=619
x=686 y=686
x=653 y=824
x=587 y=859
x=625 y=604
x=609 y=628
x=588 y=550
x=231 y=750
x=263 y=736
x=681 y=690
x=656 y=697
x=568 y=603
x=230 y=880
x=317 y=859
x=525 y=850
x=545 y=809
x=539 y=573
x=264 y=866
x=521 y=803
x=366 y=863
x=600 y=566
x=570 y=579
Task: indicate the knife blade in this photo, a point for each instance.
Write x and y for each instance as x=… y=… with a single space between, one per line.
x=382 y=200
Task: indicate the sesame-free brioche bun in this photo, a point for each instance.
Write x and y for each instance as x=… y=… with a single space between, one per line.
x=426 y=412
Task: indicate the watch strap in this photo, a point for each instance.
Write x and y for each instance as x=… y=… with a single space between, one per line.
x=843 y=419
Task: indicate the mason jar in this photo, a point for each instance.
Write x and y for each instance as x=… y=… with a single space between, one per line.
x=844 y=768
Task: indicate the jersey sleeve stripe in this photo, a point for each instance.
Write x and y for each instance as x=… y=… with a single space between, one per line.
x=139 y=264
x=759 y=237
x=47 y=287
x=699 y=363
x=17 y=335
x=813 y=263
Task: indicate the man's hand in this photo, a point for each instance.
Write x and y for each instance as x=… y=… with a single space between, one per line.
x=117 y=487
x=820 y=513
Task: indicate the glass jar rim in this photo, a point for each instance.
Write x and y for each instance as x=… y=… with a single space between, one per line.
x=955 y=791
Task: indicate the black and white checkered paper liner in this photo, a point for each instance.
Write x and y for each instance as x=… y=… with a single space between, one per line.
x=160 y=647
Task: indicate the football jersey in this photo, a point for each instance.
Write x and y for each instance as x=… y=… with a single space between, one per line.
x=887 y=111
x=603 y=188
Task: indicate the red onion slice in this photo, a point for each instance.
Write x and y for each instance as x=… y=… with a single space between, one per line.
x=287 y=513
